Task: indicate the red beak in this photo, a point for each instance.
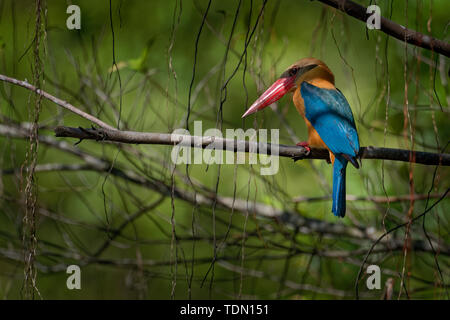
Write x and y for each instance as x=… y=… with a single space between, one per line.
x=274 y=93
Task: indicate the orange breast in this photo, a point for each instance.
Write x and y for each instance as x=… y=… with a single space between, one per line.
x=314 y=139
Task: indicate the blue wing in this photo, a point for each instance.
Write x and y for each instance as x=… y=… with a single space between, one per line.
x=331 y=116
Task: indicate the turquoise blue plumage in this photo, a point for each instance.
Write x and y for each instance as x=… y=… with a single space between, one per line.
x=329 y=113
x=327 y=116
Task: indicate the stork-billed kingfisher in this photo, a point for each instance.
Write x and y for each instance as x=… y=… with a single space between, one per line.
x=327 y=115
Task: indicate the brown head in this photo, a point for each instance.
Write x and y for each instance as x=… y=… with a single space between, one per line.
x=303 y=70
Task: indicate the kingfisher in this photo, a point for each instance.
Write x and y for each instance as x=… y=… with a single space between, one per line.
x=327 y=115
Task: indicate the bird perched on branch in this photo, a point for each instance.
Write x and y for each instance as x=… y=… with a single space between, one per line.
x=327 y=115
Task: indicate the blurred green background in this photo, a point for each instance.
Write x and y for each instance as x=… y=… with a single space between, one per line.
x=217 y=252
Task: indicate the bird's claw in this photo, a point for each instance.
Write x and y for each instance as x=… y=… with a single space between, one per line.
x=305 y=145
x=307 y=148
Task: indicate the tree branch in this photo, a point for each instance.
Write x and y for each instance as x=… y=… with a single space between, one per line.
x=375 y=199
x=391 y=28
x=56 y=100
x=219 y=143
x=290 y=218
x=108 y=133
x=304 y=225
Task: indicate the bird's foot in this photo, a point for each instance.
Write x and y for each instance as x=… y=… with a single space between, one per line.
x=305 y=145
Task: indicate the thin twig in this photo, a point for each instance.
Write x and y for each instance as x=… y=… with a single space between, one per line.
x=56 y=100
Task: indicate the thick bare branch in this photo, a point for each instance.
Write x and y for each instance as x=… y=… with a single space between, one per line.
x=219 y=143
x=108 y=133
x=375 y=199
x=391 y=28
x=289 y=218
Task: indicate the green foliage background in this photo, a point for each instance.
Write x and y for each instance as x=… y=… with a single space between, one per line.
x=78 y=67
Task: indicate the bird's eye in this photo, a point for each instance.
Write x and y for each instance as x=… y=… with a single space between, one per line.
x=293 y=71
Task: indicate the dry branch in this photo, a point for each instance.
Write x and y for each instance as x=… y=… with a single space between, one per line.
x=391 y=28
x=108 y=133
x=219 y=143
x=375 y=199
x=59 y=102
x=289 y=218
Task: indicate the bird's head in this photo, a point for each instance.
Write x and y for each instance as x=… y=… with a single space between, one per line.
x=303 y=70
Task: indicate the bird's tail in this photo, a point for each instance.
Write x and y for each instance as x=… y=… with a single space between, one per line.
x=339 y=168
